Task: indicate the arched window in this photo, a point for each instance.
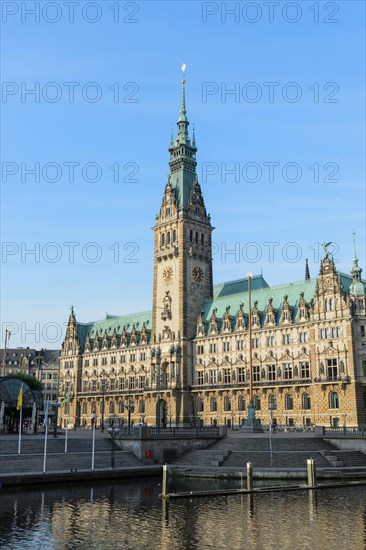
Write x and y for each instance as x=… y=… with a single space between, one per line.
x=241 y=403
x=213 y=405
x=142 y=407
x=333 y=400
x=200 y=405
x=227 y=404
x=85 y=407
x=174 y=235
x=306 y=402
x=272 y=402
x=289 y=402
x=111 y=407
x=257 y=402
x=168 y=238
x=162 y=241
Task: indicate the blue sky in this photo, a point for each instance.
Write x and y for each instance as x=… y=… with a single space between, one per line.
x=314 y=140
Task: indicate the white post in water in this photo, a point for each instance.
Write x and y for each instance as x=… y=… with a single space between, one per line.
x=249 y=476
x=311 y=472
x=165 y=480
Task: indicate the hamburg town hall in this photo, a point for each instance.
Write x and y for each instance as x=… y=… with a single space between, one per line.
x=191 y=361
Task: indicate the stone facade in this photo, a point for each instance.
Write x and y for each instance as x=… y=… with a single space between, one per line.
x=186 y=362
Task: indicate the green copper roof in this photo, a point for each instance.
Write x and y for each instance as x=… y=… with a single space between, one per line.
x=112 y=322
x=261 y=294
x=240 y=285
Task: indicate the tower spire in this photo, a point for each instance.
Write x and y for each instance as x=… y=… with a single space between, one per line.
x=356 y=285
x=307 y=271
x=183 y=137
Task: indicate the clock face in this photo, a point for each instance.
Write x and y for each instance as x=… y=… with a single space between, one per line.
x=168 y=274
x=197 y=273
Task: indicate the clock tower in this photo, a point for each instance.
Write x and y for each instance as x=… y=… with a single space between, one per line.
x=182 y=261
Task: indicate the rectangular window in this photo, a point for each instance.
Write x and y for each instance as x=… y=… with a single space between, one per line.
x=94 y=385
x=325 y=333
x=200 y=349
x=305 y=370
x=85 y=385
x=122 y=359
x=256 y=374
x=303 y=337
x=95 y=362
x=104 y=361
x=287 y=371
x=121 y=383
x=112 y=384
x=113 y=360
x=255 y=342
x=212 y=348
x=270 y=341
x=362 y=327
x=49 y=375
x=336 y=332
x=241 y=374
x=364 y=367
x=200 y=378
x=132 y=383
x=240 y=345
x=271 y=372
x=213 y=376
x=226 y=346
x=143 y=356
x=43 y=376
x=132 y=357
x=142 y=381
x=332 y=369
x=227 y=376
x=286 y=338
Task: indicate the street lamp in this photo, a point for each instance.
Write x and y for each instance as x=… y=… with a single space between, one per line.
x=103 y=384
x=130 y=407
x=113 y=432
x=271 y=407
x=55 y=420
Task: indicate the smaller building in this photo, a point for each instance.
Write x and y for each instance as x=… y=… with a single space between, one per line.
x=44 y=365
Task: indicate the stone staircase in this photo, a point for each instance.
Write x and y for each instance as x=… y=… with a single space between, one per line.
x=286 y=453
x=78 y=457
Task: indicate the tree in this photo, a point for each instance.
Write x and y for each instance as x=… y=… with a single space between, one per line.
x=32 y=382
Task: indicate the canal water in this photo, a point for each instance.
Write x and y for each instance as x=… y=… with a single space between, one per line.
x=130 y=515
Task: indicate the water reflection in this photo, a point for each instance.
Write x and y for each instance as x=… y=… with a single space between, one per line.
x=130 y=514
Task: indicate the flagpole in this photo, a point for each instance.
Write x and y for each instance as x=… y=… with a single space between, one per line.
x=45 y=437
x=93 y=448
x=20 y=429
x=67 y=425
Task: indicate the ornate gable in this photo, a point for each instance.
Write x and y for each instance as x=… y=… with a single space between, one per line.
x=227 y=320
x=201 y=330
x=270 y=314
x=286 y=315
x=214 y=323
x=240 y=318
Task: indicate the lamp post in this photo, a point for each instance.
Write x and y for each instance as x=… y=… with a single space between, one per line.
x=158 y=384
x=55 y=420
x=251 y=423
x=103 y=388
x=271 y=407
x=130 y=407
x=113 y=432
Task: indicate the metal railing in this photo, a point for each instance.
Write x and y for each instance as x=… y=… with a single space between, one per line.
x=343 y=431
